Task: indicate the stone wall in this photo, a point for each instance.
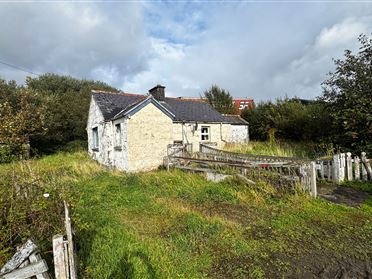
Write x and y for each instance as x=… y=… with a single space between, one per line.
x=95 y=119
x=239 y=133
x=120 y=149
x=185 y=132
x=149 y=133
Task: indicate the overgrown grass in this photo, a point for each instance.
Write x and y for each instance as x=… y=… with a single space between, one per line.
x=177 y=225
x=283 y=149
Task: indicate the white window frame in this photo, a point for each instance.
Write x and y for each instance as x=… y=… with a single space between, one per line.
x=95 y=137
x=118 y=135
x=207 y=133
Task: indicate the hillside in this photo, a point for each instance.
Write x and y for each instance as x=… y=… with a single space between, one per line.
x=173 y=224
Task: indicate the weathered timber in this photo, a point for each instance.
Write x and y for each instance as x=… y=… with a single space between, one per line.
x=313 y=190
x=208 y=149
x=19 y=257
x=60 y=267
x=35 y=257
x=367 y=166
x=349 y=167
x=356 y=168
x=71 y=255
x=27 y=271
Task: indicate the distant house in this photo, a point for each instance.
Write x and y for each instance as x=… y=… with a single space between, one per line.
x=241 y=104
x=131 y=132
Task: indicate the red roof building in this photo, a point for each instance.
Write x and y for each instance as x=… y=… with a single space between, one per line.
x=241 y=104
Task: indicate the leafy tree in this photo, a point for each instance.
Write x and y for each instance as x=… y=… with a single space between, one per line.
x=67 y=101
x=220 y=99
x=22 y=117
x=348 y=94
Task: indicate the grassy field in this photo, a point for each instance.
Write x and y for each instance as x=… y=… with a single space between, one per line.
x=177 y=225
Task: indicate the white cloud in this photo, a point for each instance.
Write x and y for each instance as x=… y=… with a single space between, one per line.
x=79 y=39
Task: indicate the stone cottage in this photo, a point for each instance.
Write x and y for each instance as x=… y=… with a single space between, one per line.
x=131 y=132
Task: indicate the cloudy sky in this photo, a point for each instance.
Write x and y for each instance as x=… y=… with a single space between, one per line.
x=259 y=49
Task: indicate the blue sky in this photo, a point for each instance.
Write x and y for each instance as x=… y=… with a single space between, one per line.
x=262 y=50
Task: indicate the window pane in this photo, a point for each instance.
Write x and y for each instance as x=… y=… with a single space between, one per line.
x=118 y=134
x=95 y=137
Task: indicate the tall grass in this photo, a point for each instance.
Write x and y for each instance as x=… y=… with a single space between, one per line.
x=283 y=149
x=177 y=225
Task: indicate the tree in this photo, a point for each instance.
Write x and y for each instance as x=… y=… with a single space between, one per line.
x=348 y=94
x=67 y=101
x=22 y=117
x=220 y=99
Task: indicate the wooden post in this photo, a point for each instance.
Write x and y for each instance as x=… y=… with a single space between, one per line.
x=364 y=171
x=349 y=167
x=342 y=167
x=329 y=171
x=336 y=168
x=60 y=268
x=367 y=166
x=313 y=190
x=322 y=170
x=71 y=254
x=356 y=168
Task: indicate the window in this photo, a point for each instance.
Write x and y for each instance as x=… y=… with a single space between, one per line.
x=205 y=133
x=117 y=135
x=95 y=138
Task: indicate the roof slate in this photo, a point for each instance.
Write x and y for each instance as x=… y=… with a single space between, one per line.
x=188 y=110
x=113 y=103
x=235 y=120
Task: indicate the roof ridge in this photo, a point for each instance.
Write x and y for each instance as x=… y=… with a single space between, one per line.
x=117 y=93
x=187 y=99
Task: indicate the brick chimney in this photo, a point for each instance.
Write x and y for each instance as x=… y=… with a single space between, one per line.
x=158 y=92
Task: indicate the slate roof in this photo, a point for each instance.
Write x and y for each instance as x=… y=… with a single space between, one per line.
x=193 y=110
x=235 y=120
x=111 y=104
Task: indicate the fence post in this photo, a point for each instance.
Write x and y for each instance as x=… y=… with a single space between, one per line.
x=329 y=171
x=342 y=167
x=313 y=191
x=356 y=168
x=349 y=167
x=364 y=169
x=321 y=170
x=336 y=168
x=367 y=166
x=60 y=268
x=70 y=245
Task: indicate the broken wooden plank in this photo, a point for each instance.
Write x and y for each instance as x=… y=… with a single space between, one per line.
x=60 y=270
x=27 y=271
x=35 y=257
x=19 y=257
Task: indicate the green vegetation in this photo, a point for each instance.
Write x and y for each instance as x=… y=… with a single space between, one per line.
x=48 y=111
x=220 y=99
x=281 y=148
x=177 y=225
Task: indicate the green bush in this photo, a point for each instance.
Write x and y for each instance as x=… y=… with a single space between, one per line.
x=6 y=154
x=288 y=119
